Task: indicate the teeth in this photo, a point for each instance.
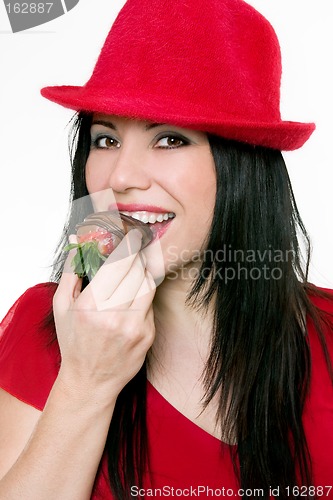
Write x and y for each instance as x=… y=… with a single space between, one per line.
x=149 y=217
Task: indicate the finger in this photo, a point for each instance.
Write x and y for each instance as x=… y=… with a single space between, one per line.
x=145 y=295
x=115 y=268
x=155 y=261
x=127 y=289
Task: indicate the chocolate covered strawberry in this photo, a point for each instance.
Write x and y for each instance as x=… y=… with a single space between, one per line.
x=98 y=235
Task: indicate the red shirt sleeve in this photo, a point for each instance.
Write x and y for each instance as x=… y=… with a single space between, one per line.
x=29 y=352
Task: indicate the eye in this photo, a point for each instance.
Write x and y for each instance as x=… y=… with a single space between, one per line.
x=171 y=142
x=105 y=142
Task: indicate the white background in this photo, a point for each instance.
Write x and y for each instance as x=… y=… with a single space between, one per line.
x=34 y=173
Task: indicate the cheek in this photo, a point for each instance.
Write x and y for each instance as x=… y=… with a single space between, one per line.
x=199 y=190
x=204 y=189
x=194 y=178
x=196 y=191
x=201 y=202
x=90 y=177
x=96 y=176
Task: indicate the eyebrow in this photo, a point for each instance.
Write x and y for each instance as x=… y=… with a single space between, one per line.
x=108 y=124
x=105 y=123
x=154 y=125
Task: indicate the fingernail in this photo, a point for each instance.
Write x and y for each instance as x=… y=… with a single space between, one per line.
x=72 y=238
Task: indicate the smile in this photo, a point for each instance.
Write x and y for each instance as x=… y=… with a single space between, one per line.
x=149 y=217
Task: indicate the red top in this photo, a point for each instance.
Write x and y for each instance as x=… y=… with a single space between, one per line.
x=183 y=456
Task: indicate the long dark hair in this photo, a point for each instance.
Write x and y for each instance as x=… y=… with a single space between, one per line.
x=254 y=271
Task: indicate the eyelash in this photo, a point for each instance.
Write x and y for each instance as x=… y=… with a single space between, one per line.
x=177 y=137
x=95 y=142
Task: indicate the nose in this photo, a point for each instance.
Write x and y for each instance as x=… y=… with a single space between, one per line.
x=129 y=171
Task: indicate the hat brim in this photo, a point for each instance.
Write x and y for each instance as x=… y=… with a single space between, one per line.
x=281 y=135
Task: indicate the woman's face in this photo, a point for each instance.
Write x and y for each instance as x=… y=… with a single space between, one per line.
x=158 y=173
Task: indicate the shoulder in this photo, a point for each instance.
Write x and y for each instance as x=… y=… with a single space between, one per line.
x=29 y=352
x=322 y=298
x=32 y=306
x=37 y=296
x=320 y=333
x=322 y=315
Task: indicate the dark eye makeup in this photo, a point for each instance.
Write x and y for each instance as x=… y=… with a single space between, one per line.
x=104 y=141
x=171 y=141
x=165 y=140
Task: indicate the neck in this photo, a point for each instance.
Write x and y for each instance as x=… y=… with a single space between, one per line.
x=177 y=359
x=183 y=334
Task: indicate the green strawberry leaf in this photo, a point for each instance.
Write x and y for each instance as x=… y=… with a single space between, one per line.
x=71 y=246
x=87 y=259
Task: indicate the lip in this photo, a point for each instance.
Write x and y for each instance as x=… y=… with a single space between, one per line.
x=138 y=207
x=158 y=230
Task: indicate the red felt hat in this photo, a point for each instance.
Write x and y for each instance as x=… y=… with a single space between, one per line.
x=213 y=66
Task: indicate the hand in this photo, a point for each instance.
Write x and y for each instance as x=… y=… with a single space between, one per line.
x=105 y=331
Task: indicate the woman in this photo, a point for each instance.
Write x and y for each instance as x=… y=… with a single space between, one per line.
x=235 y=344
